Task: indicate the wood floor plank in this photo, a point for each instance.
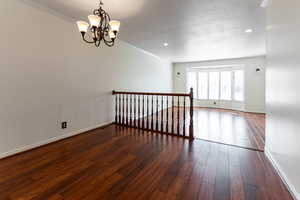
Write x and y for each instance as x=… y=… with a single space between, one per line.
x=236 y=182
x=124 y=163
x=222 y=184
x=206 y=191
x=199 y=156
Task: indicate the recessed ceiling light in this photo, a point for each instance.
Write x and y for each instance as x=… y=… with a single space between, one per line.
x=264 y=3
x=166 y=44
x=269 y=27
x=248 y=31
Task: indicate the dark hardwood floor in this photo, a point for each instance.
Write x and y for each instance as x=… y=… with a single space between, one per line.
x=230 y=127
x=118 y=163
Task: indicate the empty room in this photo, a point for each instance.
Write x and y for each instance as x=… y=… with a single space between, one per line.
x=140 y=99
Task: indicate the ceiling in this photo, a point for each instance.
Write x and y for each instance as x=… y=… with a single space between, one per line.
x=195 y=30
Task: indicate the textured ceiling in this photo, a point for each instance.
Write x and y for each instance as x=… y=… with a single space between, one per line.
x=194 y=29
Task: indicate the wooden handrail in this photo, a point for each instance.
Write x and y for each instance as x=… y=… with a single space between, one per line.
x=152 y=93
x=132 y=113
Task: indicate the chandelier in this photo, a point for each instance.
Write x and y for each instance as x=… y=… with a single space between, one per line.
x=101 y=28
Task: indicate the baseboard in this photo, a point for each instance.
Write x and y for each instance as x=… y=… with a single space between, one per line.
x=283 y=176
x=219 y=107
x=51 y=140
x=232 y=109
x=254 y=112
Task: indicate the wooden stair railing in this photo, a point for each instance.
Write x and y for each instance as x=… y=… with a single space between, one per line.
x=152 y=112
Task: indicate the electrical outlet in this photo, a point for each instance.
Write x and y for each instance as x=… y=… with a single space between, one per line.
x=64 y=125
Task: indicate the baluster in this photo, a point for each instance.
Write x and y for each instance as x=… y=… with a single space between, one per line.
x=130 y=111
x=184 y=116
x=156 y=113
x=139 y=111
x=134 y=111
x=152 y=124
x=178 y=115
x=123 y=116
x=143 y=120
x=172 y=114
x=127 y=110
x=120 y=109
x=162 y=114
x=167 y=126
x=147 y=126
x=116 y=111
x=191 y=128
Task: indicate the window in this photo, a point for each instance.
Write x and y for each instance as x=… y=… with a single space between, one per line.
x=217 y=83
x=226 y=85
x=203 y=85
x=238 y=85
x=214 y=78
x=192 y=82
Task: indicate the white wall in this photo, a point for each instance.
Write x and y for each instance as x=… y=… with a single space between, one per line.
x=49 y=75
x=283 y=89
x=254 y=83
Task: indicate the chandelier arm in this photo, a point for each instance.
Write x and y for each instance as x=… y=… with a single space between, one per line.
x=101 y=23
x=108 y=17
x=96 y=11
x=97 y=43
x=109 y=43
x=108 y=20
x=105 y=20
x=90 y=42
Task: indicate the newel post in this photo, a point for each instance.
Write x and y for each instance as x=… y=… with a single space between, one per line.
x=191 y=128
